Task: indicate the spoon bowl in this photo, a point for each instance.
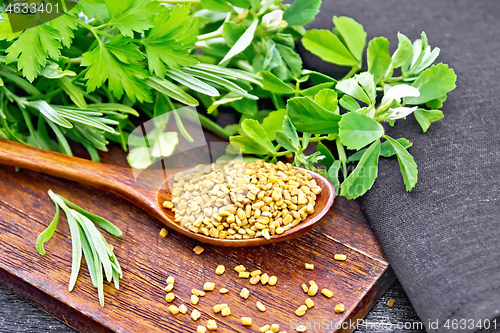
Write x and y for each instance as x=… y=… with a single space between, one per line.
x=151 y=197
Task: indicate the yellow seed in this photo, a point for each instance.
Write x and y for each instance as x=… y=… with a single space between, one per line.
x=183 y=309
x=313 y=290
x=220 y=270
x=301 y=310
x=194 y=299
x=211 y=325
x=240 y=268
x=244 y=275
x=275 y=328
x=223 y=291
x=244 y=293
x=256 y=272
x=170 y=280
x=226 y=312
x=264 y=328
x=309 y=302
x=390 y=303
x=163 y=232
x=168 y=204
x=169 y=297
x=173 y=309
x=327 y=293
x=198 y=250
x=339 y=308
x=309 y=266
x=312 y=283
x=246 y=321
x=261 y=306
x=201 y=329
x=340 y=257
x=169 y=288
x=264 y=279
x=219 y=307
x=255 y=279
x=209 y=286
x=305 y=288
x=198 y=292
x=273 y=280
x=196 y=315
x=301 y=328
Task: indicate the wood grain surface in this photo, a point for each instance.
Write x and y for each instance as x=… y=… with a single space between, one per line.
x=147 y=260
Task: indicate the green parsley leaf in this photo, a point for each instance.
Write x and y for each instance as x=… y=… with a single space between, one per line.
x=132 y=15
x=426 y=117
x=357 y=130
x=378 y=58
x=406 y=164
x=307 y=115
x=433 y=83
x=301 y=12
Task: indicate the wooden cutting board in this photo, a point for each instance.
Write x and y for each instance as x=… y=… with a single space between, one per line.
x=147 y=260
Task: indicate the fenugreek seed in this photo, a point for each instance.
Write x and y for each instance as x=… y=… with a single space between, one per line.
x=195 y=315
x=313 y=290
x=264 y=279
x=169 y=297
x=173 y=309
x=264 y=328
x=240 y=268
x=301 y=310
x=301 y=328
x=226 y=312
x=327 y=293
x=339 y=308
x=266 y=234
x=211 y=325
x=169 y=288
x=255 y=272
x=261 y=306
x=246 y=321
x=390 y=302
x=305 y=288
x=198 y=292
x=209 y=286
x=194 y=299
x=244 y=293
x=309 y=303
x=244 y=275
x=255 y=279
x=312 y=282
x=198 y=250
x=340 y=257
x=219 y=307
x=309 y=266
x=273 y=280
x=220 y=270
x=223 y=291
x=280 y=230
x=275 y=328
x=163 y=232
x=201 y=329
x=183 y=309
x=170 y=280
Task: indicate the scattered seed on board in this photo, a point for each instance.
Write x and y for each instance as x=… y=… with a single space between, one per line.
x=390 y=302
x=327 y=293
x=169 y=297
x=301 y=310
x=170 y=280
x=312 y=282
x=246 y=321
x=275 y=328
x=173 y=309
x=244 y=275
x=261 y=306
x=198 y=250
x=198 y=292
x=340 y=257
x=313 y=290
x=301 y=328
x=211 y=325
x=163 y=232
x=209 y=286
x=220 y=270
x=305 y=288
x=169 y=288
x=309 y=303
x=218 y=307
x=223 y=291
x=255 y=279
x=194 y=299
x=264 y=328
x=264 y=279
x=195 y=315
x=226 y=312
x=244 y=293
x=309 y=266
x=240 y=268
x=183 y=309
x=339 y=308
x=273 y=280
x=256 y=272
x=201 y=329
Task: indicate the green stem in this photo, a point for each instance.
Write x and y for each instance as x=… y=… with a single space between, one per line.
x=351 y=73
x=210 y=35
x=179 y=1
x=342 y=156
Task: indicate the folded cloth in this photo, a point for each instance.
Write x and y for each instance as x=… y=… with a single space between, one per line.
x=443 y=238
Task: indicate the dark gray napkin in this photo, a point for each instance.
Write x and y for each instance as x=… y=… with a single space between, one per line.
x=443 y=238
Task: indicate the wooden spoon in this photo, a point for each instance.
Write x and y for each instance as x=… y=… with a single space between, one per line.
x=121 y=181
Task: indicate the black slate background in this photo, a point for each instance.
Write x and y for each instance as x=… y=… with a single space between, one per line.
x=443 y=244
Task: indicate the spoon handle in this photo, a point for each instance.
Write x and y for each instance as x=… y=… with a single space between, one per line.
x=108 y=177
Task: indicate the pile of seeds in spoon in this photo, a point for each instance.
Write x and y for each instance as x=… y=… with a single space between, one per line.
x=241 y=200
